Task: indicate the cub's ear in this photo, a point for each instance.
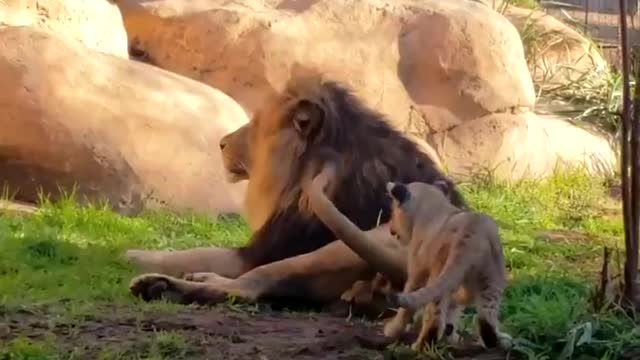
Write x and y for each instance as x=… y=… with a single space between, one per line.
x=307 y=116
x=444 y=186
x=398 y=191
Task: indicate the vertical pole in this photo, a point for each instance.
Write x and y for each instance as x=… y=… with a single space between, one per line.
x=630 y=227
x=586 y=17
x=632 y=250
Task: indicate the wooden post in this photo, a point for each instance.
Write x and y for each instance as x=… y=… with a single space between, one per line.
x=630 y=210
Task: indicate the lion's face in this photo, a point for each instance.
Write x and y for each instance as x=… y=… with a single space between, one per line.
x=235 y=154
x=278 y=136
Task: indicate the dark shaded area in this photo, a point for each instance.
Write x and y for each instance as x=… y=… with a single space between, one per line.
x=25 y=180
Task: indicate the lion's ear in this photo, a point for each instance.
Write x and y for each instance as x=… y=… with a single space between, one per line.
x=307 y=116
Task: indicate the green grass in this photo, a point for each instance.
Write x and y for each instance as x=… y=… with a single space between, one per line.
x=527 y=4
x=65 y=254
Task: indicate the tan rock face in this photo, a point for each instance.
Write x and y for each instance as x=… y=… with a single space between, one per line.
x=452 y=72
x=557 y=53
x=127 y=131
x=429 y=65
x=95 y=23
x=518 y=146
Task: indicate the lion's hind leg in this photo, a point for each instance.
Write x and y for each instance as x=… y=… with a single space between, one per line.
x=394 y=327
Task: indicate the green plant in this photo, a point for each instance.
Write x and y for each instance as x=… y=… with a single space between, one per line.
x=64 y=264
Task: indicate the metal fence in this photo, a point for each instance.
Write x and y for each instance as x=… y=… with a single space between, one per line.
x=600 y=20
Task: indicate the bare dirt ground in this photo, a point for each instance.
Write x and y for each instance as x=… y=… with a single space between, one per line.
x=216 y=333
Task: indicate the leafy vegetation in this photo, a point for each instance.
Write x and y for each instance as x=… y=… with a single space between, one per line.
x=554 y=231
x=588 y=97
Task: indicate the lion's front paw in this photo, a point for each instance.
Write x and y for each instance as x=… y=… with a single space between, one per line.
x=153 y=287
x=201 y=277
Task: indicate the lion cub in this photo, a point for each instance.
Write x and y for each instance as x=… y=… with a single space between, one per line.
x=454 y=256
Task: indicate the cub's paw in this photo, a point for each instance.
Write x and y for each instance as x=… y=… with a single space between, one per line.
x=154 y=287
x=417 y=345
x=360 y=293
x=505 y=341
x=454 y=338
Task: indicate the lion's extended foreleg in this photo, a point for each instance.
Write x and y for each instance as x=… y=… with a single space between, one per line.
x=322 y=276
x=225 y=262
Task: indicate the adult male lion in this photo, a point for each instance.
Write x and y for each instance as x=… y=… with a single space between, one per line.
x=292 y=254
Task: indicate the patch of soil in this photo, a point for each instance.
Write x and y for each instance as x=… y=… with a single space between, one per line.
x=216 y=333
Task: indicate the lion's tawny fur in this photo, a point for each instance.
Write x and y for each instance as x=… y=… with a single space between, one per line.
x=287 y=138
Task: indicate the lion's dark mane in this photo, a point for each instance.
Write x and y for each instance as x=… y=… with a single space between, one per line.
x=372 y=153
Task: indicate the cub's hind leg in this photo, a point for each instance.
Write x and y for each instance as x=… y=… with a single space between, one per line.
x=433 y=323
x=457 y=304
x=487 y=322
x=451 y=322
x=394 y=328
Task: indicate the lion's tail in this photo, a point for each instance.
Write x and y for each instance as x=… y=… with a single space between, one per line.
x=450 y=278
x=373 y=252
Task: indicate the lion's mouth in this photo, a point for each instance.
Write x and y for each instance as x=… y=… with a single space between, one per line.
x=236 y=172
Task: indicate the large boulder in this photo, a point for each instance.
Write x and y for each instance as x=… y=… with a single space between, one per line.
x=95 y=23
x=439 y=69
x=116 y=130
x=429 y=65
x=557 y=55
x=518 y=146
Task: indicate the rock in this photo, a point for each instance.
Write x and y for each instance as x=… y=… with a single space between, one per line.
x=95 y=23
x=16 y=207
x=524 y=145
x=494 y=4
x=128 y=132
x=557 y=54
x=429 y=65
